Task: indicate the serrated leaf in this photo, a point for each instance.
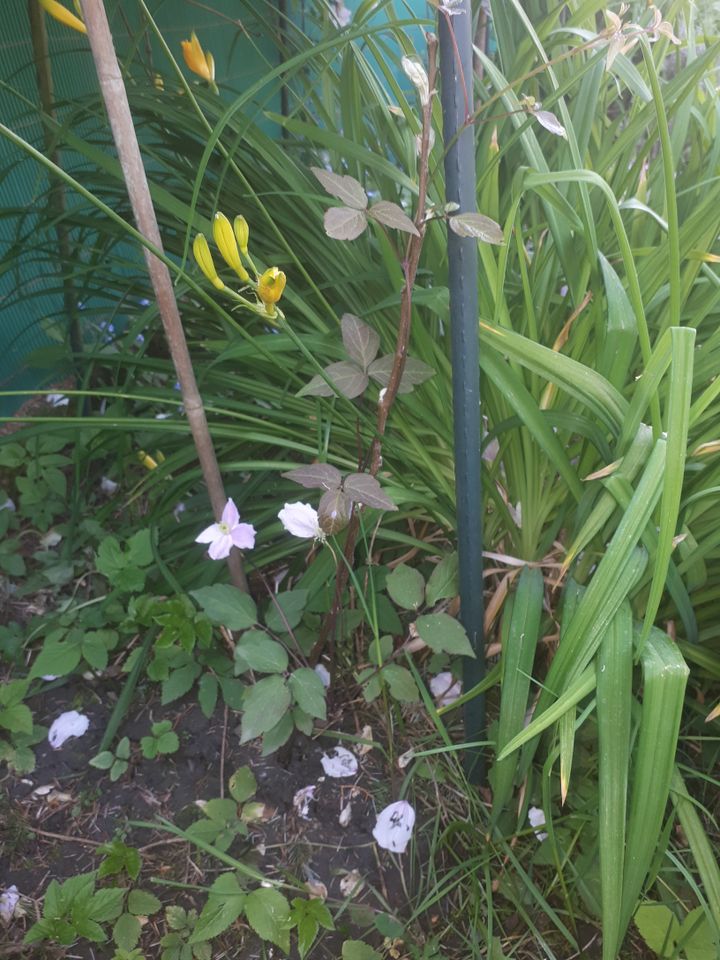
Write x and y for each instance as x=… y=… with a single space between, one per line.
x=316 y=475
x=256 y=649
x=406 y=587
x=342 y=223
x=477 y=226
x=207 y=696
x=265 y=703
x=308 y=690
x=364 y=488
x=443 y=634
x=280 y=734
x=126 y=931
x=334 y=511
x=268 y=913
x=242 y=785
x=401 y=683
x=226 y=605
x=142 y=903
x=391 y=215
x=414 y=372
x=347 y=377
x=358 y=950
x=360 y=340
x=443 y=581
x=345 y=188
x=106 y=904
x=225 y=903
x=658 y=927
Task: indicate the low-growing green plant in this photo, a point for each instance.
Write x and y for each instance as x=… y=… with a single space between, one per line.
x=116 y=761
x=163 y=740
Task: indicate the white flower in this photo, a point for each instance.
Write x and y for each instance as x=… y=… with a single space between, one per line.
x=445 y=688
x=394 y=826
x=301 y=520
x=324 y=674
x=227 y=533
x=536 y=818
x=339 y=762
x=8 y=902
x=57 y=399
x=108 y=486
x=70 y=724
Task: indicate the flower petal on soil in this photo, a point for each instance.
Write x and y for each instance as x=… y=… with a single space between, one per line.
x=445 y=688
x=302 y=800
x=9 y=900
x=339 y=762
x=69 y=724
x=394 y=826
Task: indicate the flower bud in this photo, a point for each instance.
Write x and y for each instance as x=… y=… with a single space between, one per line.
x=196 y=59
x=242 y=232
x=270 y=286
x=227 y=245
x=63 y=15
x=203 y=257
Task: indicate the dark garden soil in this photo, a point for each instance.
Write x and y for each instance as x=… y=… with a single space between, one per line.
x=52 y=821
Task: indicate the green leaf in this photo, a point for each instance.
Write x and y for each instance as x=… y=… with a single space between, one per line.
x=406 y=586
x=309 y=693
x=57 y=659
x=443 y=634
x=268 y=913
x=106 y=904
x=139 y=548
x=401 y=683
x=179 y=682
x=308 y=916
x=126 y=932
x=261 y=653
x=265 y=703
x=443 y=581
x=141 y=903
x=292 y=605
x=280 y=734
x=102 y=761
x=17 y=718
x=227 y=606
x=658 y=928
x=225 y=903
x=357 y=950
x=242 y=785
x=696 y=936
x=207 y=697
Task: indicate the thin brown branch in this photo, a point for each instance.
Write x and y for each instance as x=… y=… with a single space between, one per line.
x=123 y=130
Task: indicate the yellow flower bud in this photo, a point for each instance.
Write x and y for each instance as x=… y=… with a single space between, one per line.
x=226 y=244
x=201 y=251
x=59 y=12
x=270 y=286
x=242 y=232
x=197 y=60
x=146 y=460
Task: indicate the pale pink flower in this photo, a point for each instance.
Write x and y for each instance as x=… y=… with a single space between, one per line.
x=301 y=520
x=227 y=533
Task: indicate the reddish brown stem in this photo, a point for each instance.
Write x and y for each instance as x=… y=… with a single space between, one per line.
x=123 y=130
x=410 y=266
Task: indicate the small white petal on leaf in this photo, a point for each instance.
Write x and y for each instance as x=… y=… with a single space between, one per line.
x=108 y=486
x=69 y=724
x=548 y=120
x=323 y=673
x=536 y=818
x=339 y=762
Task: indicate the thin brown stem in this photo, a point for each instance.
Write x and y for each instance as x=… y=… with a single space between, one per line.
x=123 y=130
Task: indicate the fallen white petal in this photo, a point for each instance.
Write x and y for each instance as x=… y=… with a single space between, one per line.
x=445 y=688
x=345 y=815
x=48 y=677
x=51 y=539
x=302 y=800
x=394 y=826
x=405 y=758
x=108 y=486
x=351 y=884
x=362 y=748
x=324 y=674
x=8 y=902
x=8 y=505
x=69 y=724
x=339 y=762
x=536 y=818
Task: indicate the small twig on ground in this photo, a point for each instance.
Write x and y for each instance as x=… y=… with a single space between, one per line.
x=65 y=836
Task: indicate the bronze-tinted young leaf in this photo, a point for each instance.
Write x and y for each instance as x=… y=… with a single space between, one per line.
x=415 y=372
x=360 y=340
x=334 y=511
x=391 y=215
x=343 y=223
x=321 y=475
x=347 y=189
x=478 y=226
x=347 y=377
x=365 y=489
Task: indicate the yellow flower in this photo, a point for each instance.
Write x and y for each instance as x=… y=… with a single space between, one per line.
x=197 y=60
x=204 y=259
x=270 y=287
x=242 y=232
x=227 y=245
x=61 y=13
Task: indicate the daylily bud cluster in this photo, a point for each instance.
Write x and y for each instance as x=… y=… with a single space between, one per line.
x=231 y=240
